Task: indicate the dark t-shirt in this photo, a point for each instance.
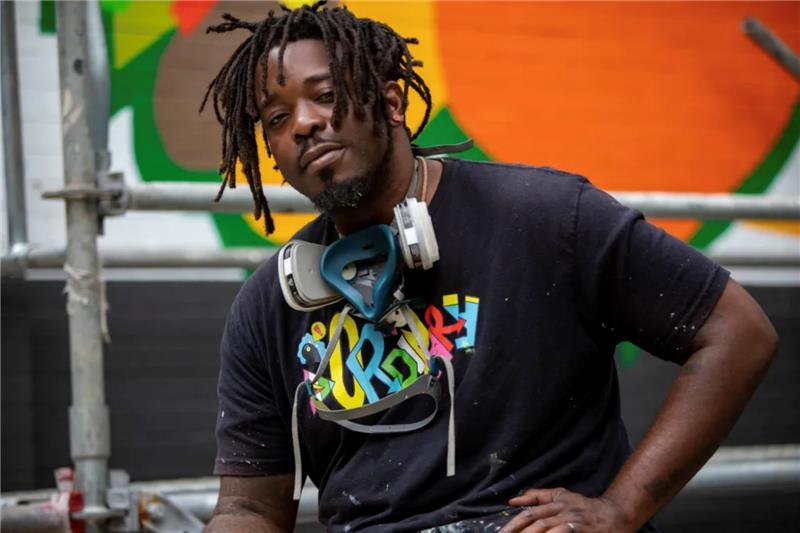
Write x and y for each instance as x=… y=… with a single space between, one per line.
x=540 y=276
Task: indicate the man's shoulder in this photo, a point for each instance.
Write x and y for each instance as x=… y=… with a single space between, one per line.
x=518 y=182
x=514 y=170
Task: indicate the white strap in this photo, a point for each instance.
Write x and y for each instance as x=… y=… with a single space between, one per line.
x=334 y=340
x=298 y=458
x=448 y=368
x=451 y=426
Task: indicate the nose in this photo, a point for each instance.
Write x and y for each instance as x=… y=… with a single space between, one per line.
x=308 y=121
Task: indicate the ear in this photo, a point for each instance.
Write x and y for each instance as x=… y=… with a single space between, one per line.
x=395 y=107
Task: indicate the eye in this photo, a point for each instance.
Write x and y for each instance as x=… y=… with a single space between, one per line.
x=327 y=97
x=275 y=120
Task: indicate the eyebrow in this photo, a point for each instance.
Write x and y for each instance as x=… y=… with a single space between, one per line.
x=311 y=80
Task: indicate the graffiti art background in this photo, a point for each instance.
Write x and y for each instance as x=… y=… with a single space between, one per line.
x=636 y=96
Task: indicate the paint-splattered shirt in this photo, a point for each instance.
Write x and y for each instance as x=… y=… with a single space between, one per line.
x=541 y=275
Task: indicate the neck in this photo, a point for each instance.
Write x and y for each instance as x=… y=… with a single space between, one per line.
x=377 y=208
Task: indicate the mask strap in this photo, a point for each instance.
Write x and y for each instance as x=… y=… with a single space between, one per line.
x=412 y=186
x=451 y=426
x=298 y=457
x=424 y=165
x=449 y=371
x=337 y=332
x=442 y=149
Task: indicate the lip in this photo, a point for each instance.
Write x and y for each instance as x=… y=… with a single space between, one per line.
x=324 y=160
x=318 y=152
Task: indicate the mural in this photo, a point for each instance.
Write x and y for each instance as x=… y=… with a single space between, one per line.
x=636 y=96
x=367 y=365
x=666 y=96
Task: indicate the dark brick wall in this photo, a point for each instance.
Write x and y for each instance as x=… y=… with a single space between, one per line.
x=161 y=370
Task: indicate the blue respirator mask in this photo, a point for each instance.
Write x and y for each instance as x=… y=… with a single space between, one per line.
x=363 y=268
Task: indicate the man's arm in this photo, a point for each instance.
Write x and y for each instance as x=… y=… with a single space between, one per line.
x=730 y=355
x=254 y=504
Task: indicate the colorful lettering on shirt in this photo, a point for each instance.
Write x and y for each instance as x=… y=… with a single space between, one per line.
x=469 y=315
x=364 y=374
x=367 y=364
x=349 y=337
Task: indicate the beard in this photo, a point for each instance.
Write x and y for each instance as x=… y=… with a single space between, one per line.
x=351 y=192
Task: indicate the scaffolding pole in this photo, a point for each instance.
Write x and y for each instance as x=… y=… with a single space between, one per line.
x=88 y=414
x=251 y=257
x=773 y=46
x=750 y=470
x=12 y=134
x=177 y=196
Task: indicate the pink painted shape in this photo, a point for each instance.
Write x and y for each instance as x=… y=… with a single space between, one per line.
x=437 y=348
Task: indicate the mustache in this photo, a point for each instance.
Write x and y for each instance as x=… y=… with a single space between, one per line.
x=314 y=148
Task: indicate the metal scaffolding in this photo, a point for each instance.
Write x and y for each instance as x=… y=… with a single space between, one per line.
x=91 y=192
x=90 y=443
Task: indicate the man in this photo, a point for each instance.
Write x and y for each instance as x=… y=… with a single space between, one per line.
x=540 y=276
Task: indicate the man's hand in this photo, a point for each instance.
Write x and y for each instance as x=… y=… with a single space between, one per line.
x=562 y=511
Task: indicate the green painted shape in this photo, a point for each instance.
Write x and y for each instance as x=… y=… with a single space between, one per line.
x=388 y=366
x=115 y=6
x=627 y=354
x=758 y=180
x=47 y=16
x=708 y=233
x=443 y=129
x=326 y=385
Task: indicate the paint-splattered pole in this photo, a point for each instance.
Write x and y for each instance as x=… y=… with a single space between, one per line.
x=88 y=414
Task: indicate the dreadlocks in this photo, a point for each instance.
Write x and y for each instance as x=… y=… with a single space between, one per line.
x=364 y=55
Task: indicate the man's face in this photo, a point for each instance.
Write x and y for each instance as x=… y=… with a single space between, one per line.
x=335 y=168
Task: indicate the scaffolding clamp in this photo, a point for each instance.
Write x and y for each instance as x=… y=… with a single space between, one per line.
x=111 y=194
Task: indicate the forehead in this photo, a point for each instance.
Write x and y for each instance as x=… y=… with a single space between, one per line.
x=301 y=59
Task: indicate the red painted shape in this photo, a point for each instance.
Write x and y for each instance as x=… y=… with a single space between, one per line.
x=435 y=322
x=190 y=13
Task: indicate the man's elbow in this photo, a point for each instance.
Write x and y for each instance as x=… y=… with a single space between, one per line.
x=768 y=341
x=740 y=331
x=759 y=335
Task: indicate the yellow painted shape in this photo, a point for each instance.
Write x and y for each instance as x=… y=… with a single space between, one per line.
x=413 y=19
x=336 y=366
x=450 y=299
x=787 y=227
x=318 y=331
x=472 y=299
x=294 y=4
x=139 y=26
x=286 y=224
